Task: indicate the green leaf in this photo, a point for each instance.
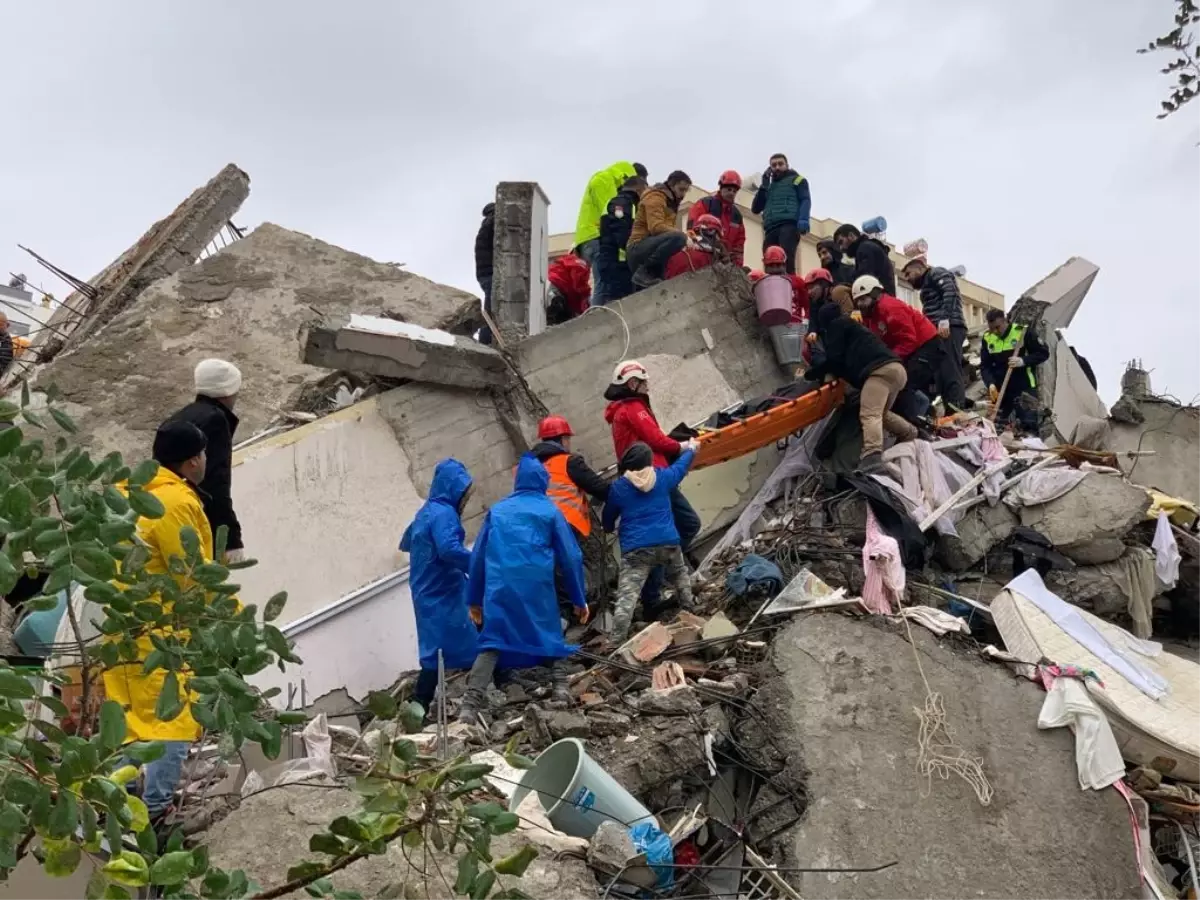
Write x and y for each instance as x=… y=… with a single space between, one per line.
x=115 y=500
x=95 y=886
x=9 y=576
x=274 y=606
x=145 y=504
x=504 y=823
x=468 y=771
x=169 y=704
x=190 y=540
x=128 y=868
x=55 y=705
x=291 y=717
x=485 y=812
x=412 y=717
x=516 y=863
x=324 y=842
x=347 y=895
x=49 y=540
x=216 y=883
x=95 y=562
x=9 y=410
x=14 y=685
x=112 y=724
x=305 y=870
x=65 y=422
x=144 y=751
x=210 y=574
x=10 y=439
x=143 y=472
x=171 y=868
x=65 y=815
x=272 y=745
x=344 y=826
x=468 y=870
x=112 y=892
x=141 y=815
x=41 y=486
x=62 y=857
x=519 y=761
x=381 y=704
x=483 y=885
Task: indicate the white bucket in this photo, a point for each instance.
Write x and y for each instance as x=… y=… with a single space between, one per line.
x=576 y=792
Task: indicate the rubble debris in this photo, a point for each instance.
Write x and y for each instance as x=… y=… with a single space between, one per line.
x=648 y=644
x=251 y=300
x=979 y=530
x=611 y=847
x=667 y=675
x=1087 y=523
x=567 y=724
x=1121 y=590
x=292 y=814
x=718 y=627
x=675 y=701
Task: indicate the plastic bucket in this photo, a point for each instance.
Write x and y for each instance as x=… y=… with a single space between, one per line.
x=788 y=342
x=773 y=297
x=577 y=794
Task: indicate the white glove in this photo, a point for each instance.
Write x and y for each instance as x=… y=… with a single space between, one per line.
x=944 y=328
x=1015 y=362
x=691 y=444
x=235 y=556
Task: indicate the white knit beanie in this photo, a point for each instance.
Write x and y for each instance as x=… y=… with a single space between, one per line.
x=217 y=379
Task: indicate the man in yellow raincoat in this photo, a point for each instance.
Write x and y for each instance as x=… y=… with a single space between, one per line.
x=179 y=451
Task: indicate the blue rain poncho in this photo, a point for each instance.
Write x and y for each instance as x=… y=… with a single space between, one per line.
x=512 y=572
x=438 y=563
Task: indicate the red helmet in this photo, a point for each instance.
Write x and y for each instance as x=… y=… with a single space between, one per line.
x=553 y=426
x=815 y=275
x=757 y=275
x=729 y=177
x=774 y=256
x=708 y=220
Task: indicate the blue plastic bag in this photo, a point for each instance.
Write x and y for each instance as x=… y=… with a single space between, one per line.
x=648 y=838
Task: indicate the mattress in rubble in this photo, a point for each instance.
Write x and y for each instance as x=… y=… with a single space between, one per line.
x=1163 y=734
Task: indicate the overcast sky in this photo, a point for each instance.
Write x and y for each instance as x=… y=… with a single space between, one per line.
x=1009 y=135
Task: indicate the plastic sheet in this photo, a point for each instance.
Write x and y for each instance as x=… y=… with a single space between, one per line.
x=318 y=764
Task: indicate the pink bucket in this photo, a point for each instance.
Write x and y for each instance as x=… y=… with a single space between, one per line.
x=773 y=297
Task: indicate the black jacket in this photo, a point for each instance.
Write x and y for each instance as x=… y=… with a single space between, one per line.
x=218 y=423
x=992 y=366
x=483 y=243
x=850 y=351
x=577 y=470
x=615 y=226
x=871 y=258
x=1086 y=366
x=940 y=298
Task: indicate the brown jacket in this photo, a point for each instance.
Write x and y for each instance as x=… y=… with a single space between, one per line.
x=656 y=214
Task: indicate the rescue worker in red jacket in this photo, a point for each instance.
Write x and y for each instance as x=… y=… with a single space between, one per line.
x=910 y=335
x=722 y=206
x=704 y=247
x=572 y=480
x=631 y=419
x=570 y=289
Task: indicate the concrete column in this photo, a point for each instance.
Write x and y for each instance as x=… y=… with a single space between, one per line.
x=520 y=259
x=1136 y=381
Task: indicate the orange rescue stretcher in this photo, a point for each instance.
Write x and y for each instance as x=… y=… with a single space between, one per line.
x=765 y=428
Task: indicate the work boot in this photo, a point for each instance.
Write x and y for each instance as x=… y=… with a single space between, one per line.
x=468 y=715
x=871 y=463
x=643 y=279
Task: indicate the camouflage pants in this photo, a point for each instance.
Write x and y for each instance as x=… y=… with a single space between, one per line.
x=636 y=566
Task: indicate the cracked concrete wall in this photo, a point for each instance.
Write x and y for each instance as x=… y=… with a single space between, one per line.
x=845 y=702
x=248 y=304
x=699 y=338
x=1173 y=433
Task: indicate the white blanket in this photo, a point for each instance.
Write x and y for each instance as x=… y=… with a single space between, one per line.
x=1097 y=756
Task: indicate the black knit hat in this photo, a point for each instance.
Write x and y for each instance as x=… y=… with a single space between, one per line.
x=177 y=442
x=639 y=456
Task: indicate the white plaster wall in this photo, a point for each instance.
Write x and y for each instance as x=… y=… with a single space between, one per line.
x=322 y=509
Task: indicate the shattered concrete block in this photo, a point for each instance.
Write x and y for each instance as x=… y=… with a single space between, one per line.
x=979 y=530
x=678 y=700
x=667 y=675
x=1090 y=519
x=611 y=847
x=648 y=644
x=606 y=723
x=567 y=724
x=590 y=698
x=718 y=626
x=537 y=728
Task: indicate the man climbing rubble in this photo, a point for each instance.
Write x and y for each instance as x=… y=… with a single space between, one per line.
x=615 y=281
x=851 y=352
x=1007 y=345
x=510 y=587
x=832 y=261
x=942 y=304
x=438 y=563
x=912 y=337
x=655 y=237
x=601 y=188
x=640 y=499
x=217 y=384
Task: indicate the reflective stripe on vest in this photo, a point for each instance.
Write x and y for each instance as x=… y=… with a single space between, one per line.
x=1008 y=344
x=632 y=216
x=570 y=500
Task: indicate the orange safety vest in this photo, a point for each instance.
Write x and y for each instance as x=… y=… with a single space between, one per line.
x=570 y=499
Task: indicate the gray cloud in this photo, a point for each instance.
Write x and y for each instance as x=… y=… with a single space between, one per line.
x=1010 y=136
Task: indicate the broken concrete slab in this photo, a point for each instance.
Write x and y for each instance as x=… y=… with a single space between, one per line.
x=1106 y=589
x=979 y=530
x=846 y=701
x=1088 y=521
x=247 y=304
x=291 y=815
x=385 y=348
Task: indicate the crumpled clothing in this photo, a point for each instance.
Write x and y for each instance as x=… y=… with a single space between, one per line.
x=648 y=838
x=1054 y=670
x=984 y=451
x=938 y=621
x=1072 y=620
x=923 y=478
x=883 y=569
x=1097 y=756
x=1166 y=552
x=1043 y=485
x=754 y=574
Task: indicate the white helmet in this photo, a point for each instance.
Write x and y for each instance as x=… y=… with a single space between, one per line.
x=863 y=285
x=627 y=369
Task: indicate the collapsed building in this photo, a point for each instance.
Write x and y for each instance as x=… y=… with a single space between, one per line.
x=360 y=377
